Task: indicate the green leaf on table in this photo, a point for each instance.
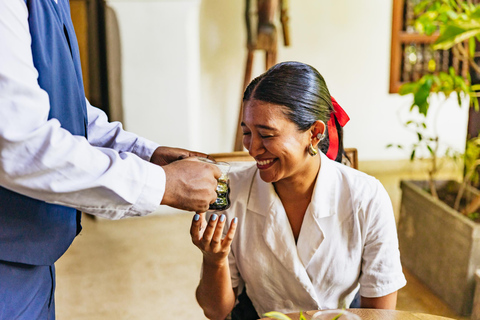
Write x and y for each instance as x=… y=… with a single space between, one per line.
x=277 y=315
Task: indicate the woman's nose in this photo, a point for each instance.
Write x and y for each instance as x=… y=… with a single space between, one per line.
x=256 y=147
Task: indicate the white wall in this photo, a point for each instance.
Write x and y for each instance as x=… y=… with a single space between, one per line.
x=348 y=41
x=160 y=69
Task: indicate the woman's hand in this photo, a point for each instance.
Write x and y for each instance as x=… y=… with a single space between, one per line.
x=214 y=292
x=207 y=236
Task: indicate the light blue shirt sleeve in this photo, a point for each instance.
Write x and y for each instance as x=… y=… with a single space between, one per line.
x=106 y=175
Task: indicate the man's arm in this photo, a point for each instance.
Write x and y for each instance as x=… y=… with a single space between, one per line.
x=40 y=159
x=102 y=133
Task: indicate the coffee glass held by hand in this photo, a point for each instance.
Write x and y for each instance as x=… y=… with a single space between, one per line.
x=223 y=188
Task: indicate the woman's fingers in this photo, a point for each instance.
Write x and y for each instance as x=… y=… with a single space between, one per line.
x=197 y=228
x=208 y=236
x=210 y=230
x=217 y=235
x=227 y=241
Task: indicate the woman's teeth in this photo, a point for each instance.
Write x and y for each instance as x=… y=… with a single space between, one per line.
x=264 y=162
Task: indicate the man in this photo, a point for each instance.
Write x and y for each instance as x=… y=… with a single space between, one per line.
x=59 y=156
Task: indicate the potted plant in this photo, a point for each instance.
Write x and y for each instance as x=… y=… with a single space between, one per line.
x=439 y=244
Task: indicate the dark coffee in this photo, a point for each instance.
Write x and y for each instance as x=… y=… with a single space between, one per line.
x=222 y=202
x=223 y=187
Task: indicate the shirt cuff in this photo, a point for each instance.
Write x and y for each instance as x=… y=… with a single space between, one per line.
x=152 y=193
x=383 y=290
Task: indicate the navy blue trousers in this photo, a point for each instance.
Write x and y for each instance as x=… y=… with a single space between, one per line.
x=26 y=291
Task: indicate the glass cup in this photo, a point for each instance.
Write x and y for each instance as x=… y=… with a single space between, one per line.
x=335 y=314
x=223 y=186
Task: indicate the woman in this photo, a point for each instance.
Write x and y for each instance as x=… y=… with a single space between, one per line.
x=309 y=231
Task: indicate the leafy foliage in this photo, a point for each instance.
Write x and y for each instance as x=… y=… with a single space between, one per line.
x=457 y=24
x=446 y=83
x=471 y=159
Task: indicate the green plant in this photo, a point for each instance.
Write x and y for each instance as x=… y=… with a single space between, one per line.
x=471 y=159
x=422 y=90
x=457 y=24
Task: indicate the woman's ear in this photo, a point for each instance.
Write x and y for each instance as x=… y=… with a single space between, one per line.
x=317 y=132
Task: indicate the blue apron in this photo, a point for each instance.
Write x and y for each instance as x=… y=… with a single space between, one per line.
x=33 y=232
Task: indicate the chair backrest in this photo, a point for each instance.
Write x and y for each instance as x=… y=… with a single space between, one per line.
x=233 y=156
x=352 y=155
x=239 y=156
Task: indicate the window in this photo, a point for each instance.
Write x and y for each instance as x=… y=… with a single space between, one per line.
x=411 y=54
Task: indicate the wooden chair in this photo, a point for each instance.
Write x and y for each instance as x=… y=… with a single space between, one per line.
x=352 y=155
x=240 y=156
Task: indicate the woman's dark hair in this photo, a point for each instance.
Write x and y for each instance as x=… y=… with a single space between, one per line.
x=302 y=90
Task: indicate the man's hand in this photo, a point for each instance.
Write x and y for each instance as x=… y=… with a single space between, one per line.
x=190 y=184
x=165 y=155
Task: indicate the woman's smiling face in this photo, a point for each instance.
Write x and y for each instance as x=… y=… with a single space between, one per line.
x=275 y=142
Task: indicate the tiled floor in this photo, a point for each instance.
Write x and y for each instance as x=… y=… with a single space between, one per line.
x=147 y=268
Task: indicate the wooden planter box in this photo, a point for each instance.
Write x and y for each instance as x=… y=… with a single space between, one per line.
x=476 y=297
x=439 y=245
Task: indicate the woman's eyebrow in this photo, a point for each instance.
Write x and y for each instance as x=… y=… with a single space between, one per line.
x=259 y=126
x=262 y=126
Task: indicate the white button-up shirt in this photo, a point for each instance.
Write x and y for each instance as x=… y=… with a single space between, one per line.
x=348 y=239
x=108 y=175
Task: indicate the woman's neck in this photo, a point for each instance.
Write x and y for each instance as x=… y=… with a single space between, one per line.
x=296 y=194
x=301 y=185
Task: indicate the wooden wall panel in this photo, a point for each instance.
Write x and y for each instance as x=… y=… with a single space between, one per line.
x=79 y=11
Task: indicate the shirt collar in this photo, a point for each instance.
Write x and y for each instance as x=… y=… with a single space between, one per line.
x=262 y=195
x=324 y=193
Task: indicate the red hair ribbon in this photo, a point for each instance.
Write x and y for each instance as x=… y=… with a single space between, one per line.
x=342 y=118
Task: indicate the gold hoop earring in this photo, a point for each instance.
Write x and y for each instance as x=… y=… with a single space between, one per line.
x=312 y=150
